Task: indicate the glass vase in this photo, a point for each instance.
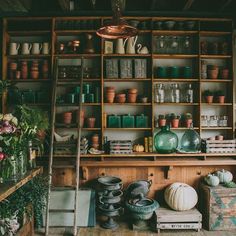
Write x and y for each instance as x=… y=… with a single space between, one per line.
x=165 y=141
x=9 y=170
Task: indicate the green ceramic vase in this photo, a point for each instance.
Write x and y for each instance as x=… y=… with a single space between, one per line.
x=165 y=141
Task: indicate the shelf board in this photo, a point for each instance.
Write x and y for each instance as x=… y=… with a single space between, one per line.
x=38 y=104
x=91 y=129
x=214 y=33
x=166 y=160
x=74 y=126
x=179 y=128
x=174 y=32
x=30 y=80
x=128 y=129
x=77 y=55
x=175 y=104
x=28 y=32
x=144 y=31
x=126 y=55
x=127 y=80
x=216 y=104
x=174 y=80
x=216 y=80
x=216 y=128
x=7 y=189
x=216 y=56
x=77 y=105
x=68 y=32
x=175 y=56
x=73 y=81
x=30 y=56
x=127 y=104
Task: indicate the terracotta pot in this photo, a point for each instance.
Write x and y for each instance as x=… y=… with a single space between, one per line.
x=221 y=99
x=132 y=97
x=213 y=73
x=110 y=97
x=175 y=123
x=161 y=122
x=224 y=74
x=95 y=138
x=219 y=137
x=132 y=91
x=209 y=99
x=67 y=117
x=110 y=89
x=188 y=123
x=120 y=98
x=91 y=122
x=34 y=74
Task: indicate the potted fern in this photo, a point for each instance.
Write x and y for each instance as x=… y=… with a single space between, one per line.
x=208 y=96
x=188 y=120
x=220 y=96
x=174 y=120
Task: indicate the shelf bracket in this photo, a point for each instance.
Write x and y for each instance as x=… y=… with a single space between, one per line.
x=166 y=171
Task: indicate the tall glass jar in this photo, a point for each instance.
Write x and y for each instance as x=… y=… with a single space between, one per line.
x=175 y=93
x=159 y=93
x=165 y=141
x=189 y=94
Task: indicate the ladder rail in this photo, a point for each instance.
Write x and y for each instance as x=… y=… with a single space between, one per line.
x=76 y=202
x=53 y=117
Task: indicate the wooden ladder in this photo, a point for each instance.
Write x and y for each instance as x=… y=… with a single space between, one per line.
x=51 y=152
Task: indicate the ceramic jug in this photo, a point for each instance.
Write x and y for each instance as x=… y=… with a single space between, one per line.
x=120 y=46
x=131 y=42
x=36 y=48
x=45 y=48
x=25 y=48
x=142 y=50
x=13 y=48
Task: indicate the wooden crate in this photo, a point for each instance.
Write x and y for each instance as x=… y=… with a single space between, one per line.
x=218 y=207
x=169 y=219
x=219 y=146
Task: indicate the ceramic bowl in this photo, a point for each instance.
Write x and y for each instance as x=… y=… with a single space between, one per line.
x=169 y=25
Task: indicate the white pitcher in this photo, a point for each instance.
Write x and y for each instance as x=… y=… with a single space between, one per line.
x=120 y=46
x=25 y=48
x=36 y=48
x=46 y=48
x=131 y=42
x=13 y=48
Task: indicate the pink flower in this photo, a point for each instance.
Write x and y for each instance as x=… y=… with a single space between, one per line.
x=2 y=156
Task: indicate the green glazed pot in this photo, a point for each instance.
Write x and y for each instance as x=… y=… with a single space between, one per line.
x=187 y=72
x=174 y=71
x=165 y=141
x=161 y=72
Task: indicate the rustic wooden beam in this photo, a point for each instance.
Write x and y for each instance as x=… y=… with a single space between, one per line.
x=227 y=2
x=188 y=5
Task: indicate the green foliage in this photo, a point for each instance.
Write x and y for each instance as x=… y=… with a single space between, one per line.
x=187 y=116
x=4 y=85
x=219 y=93
x=208 y=93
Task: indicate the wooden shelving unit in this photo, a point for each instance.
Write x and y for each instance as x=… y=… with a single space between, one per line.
x=54 y=34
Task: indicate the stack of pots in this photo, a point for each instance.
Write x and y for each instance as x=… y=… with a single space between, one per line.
x=212 y=71
x=34 y=71
x=67 y=117
x=110 y=94
x=132 y=95
x=121 y=97
x=95 y=141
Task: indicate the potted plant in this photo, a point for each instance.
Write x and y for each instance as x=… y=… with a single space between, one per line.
x=208 y=96
x=188 y=120
x=175 y=120
x=161 y=120
x=220 y=96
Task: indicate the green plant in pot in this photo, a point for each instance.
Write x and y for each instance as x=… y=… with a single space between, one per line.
x=174 y=120
x=220 y=95
x=208 y=96
x=188 y=119
x=161 y=120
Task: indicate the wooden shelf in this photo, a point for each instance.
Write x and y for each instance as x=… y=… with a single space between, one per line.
x=76 y=105
x=7 y=189
x=167 y=80
x=28 y=32
x=127 y=80
x=217 y=104
x=31 y=80
x=216 y=56
x=30 y=56
x=175 y=56
x=126 y=55
x=73 y=81
x=179 y=128
x=69 y=32
x=175 y=104
x=38 y=104
x=127 y=104
x=216 y=80
x=174 y=32
x=216 y=128
x=77 y=55
x=214 y=33
x=128 y=129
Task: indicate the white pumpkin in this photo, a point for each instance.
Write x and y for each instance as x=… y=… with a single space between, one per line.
x=212 y=180
x=224 y=176
x=180 y=196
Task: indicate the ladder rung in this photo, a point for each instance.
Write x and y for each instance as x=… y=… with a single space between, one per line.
x=64 y=188
x=62 y=210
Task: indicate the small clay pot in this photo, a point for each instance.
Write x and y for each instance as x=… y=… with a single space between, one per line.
x=219 y=137
x=209 y=99
x=110 y=96
x=91 y=122
x=132 y=97
x=144 y=99
x=95 y=138
x=175 y=123
x=224 y=74
x=34 y=74
x=110 y=89
x=221 y=99
x=213 y=73
x=67 y=117
x=161 y=122
x=121 y=98
x=132 y=91
x=188 y=123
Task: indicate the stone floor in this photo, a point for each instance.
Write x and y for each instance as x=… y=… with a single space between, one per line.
x=123 y=230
